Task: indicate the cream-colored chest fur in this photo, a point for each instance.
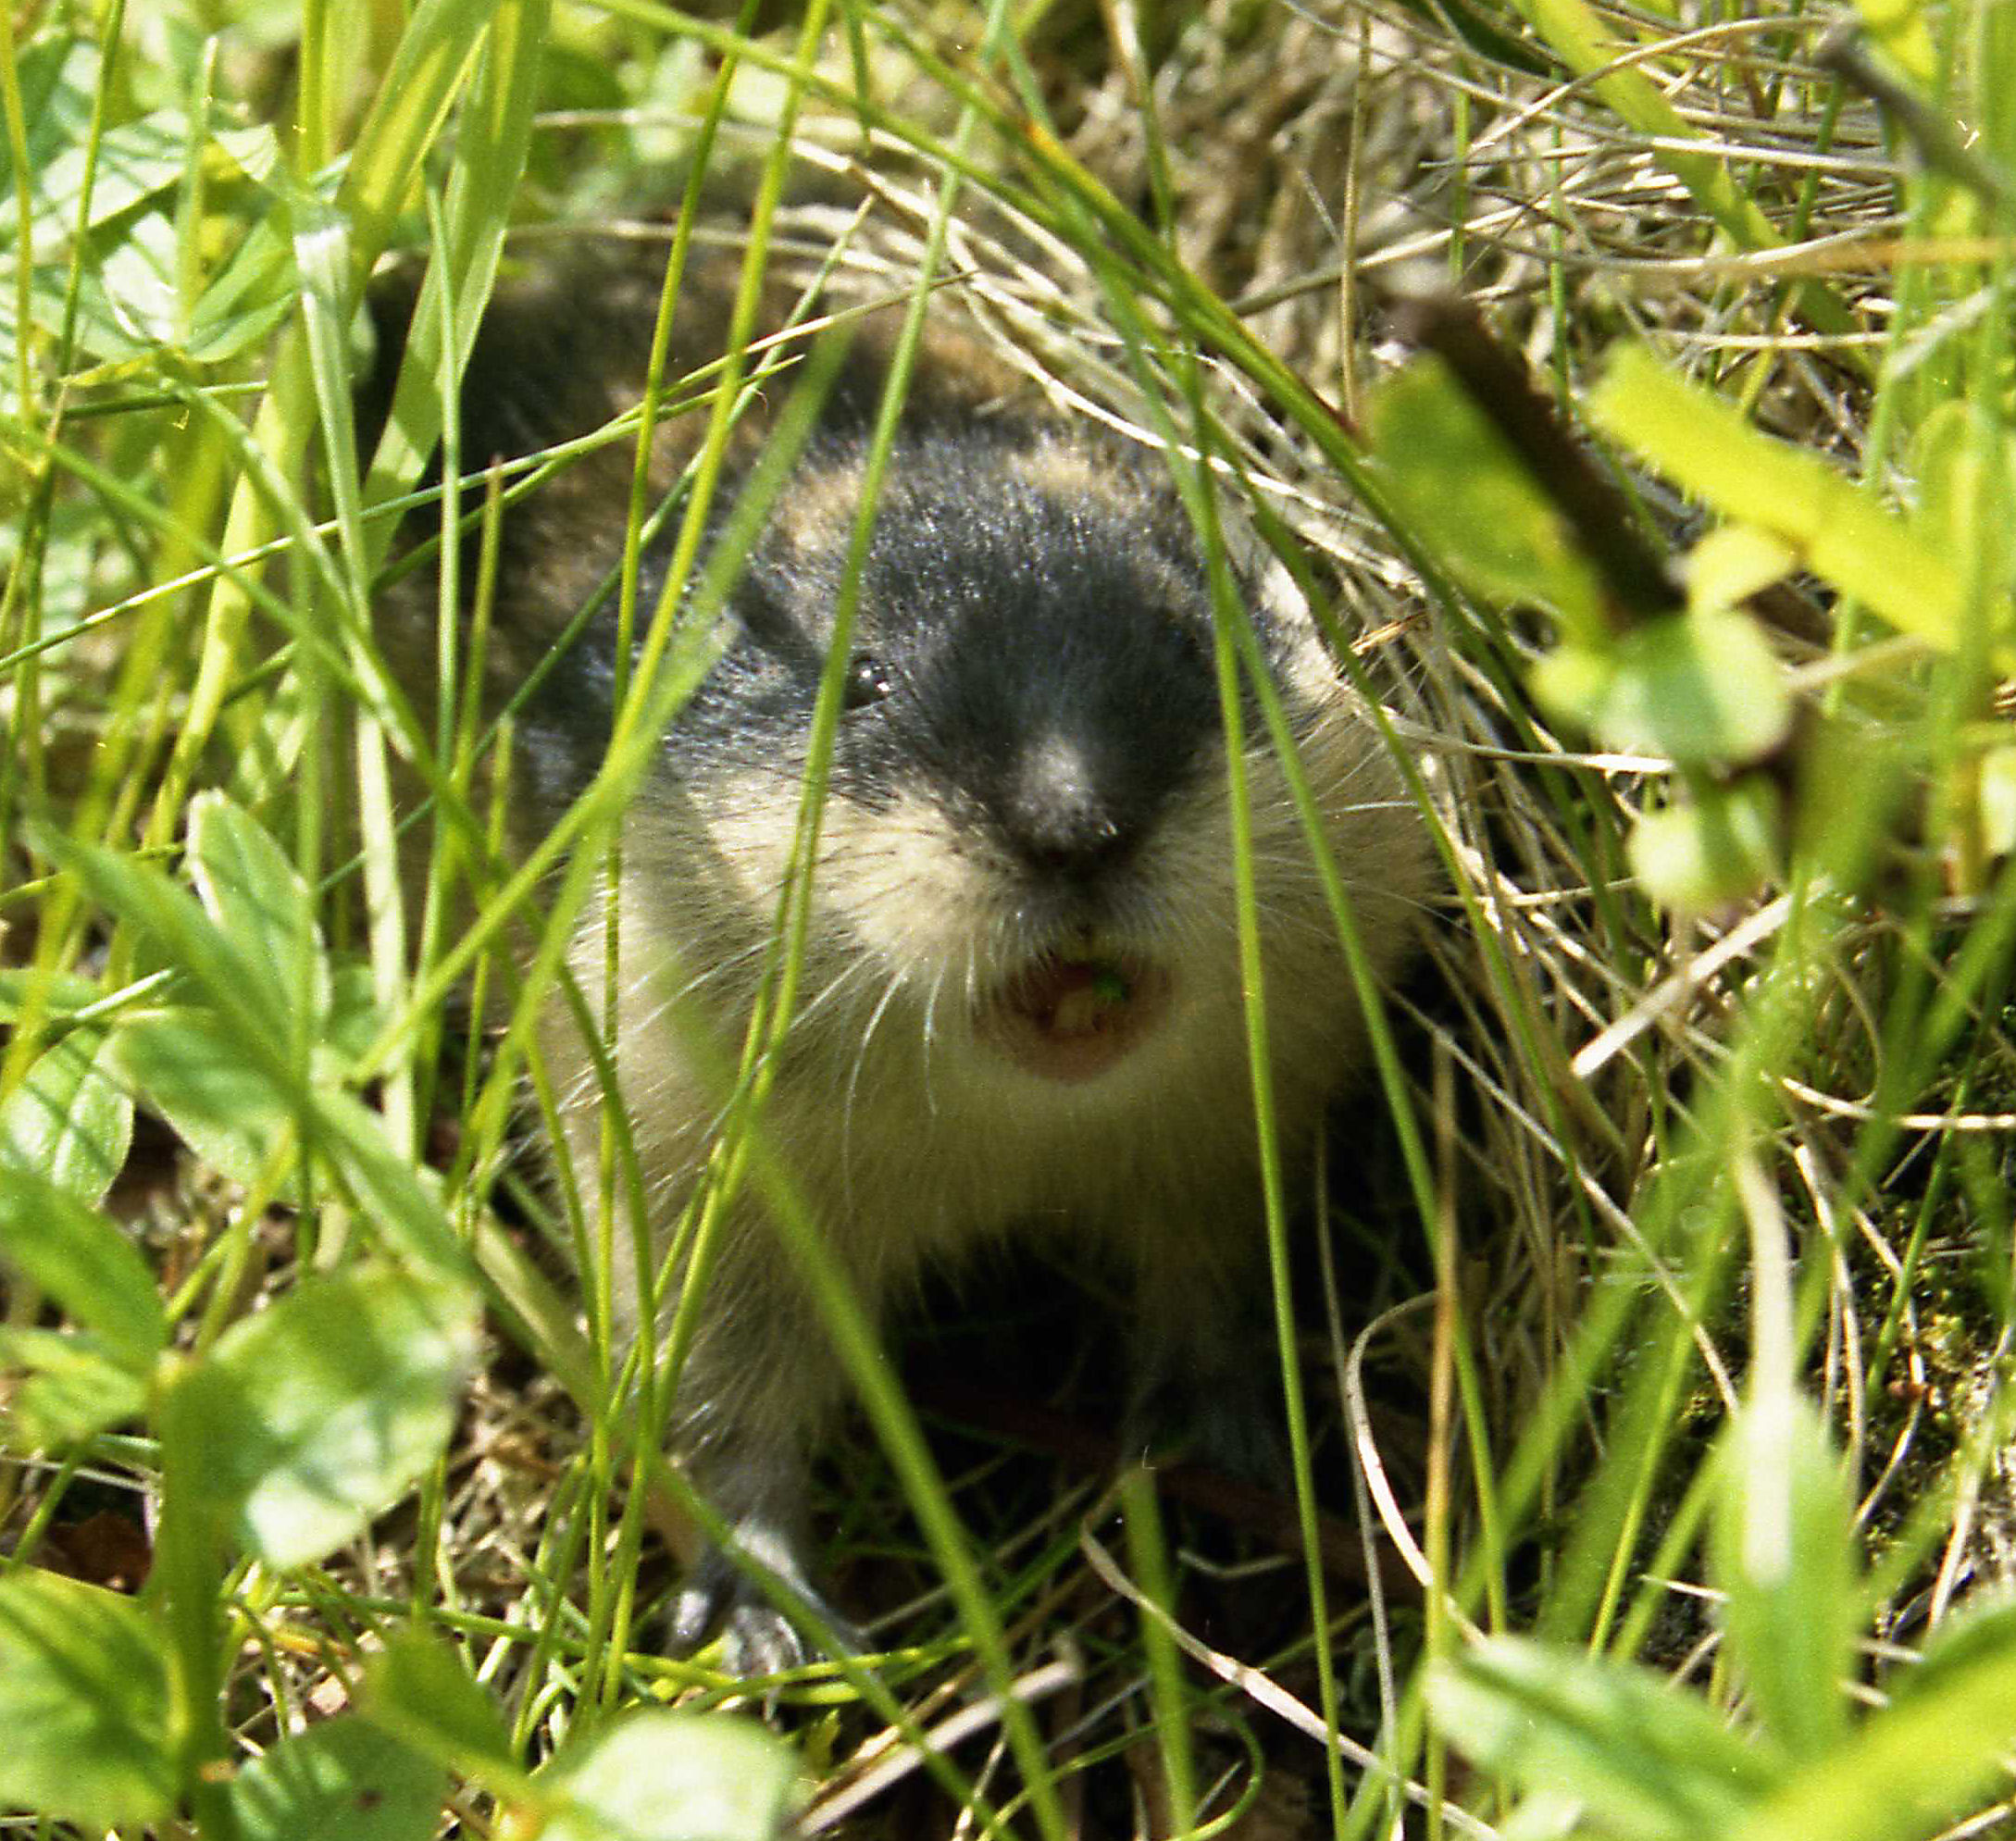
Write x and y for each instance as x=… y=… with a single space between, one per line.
x=910 y=1138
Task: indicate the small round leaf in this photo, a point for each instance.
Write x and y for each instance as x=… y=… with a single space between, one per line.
x=83 y=1703
x=311 y=1417
x=342 y=1781
x=663 y=1776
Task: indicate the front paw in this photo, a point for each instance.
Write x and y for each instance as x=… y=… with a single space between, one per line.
x=1226 y=1421
x=757 y=1637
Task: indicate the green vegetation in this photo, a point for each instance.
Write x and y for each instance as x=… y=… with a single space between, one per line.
x=1675 y=1340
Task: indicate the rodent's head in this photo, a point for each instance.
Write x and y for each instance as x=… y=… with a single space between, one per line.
x=1028 y=820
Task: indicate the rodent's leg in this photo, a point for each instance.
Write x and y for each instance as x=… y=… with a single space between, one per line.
x=757 y=1638
x=1205 y=1382
x=758 y=1388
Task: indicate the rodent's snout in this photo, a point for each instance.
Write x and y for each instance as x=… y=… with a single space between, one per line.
x=1061 y=815
x=1076 y=820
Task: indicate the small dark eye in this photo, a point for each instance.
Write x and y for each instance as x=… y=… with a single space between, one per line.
x=867 y=682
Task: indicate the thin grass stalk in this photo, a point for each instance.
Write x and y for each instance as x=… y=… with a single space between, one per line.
x=1148 y=1548
x=16 y=121
x=405 y=118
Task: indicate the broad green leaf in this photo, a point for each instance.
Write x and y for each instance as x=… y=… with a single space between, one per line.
x=664 y=1777
x=343 y=1780
x=247 y=297
x=224 y=1104
x=1783 y=1555
x=1836 y=528
x=428 y=69
x=1544 y=1815
x=1963 y=460
x=82 y=1261
x=54 y=996
x=1715 y=848
x=69 y=1119
x=218 y=334
x=1651 y=1762
x=402 y=1202
x=419 y=1689
x=196 y=1073
x=353 y=1023
x=253 y=149
x=188 y=939
x=1980 y=1635
x=1465 y=485
x=103 y=330
x=311 y=1417
x=1699 y=687
x=1910 y=1772
x=83 y=1703
x=1901 y=26
x=57 y=77
x=137 y=277
x=258 y=898
x=73 y=1390
x=1730 y=564
x=135 y=161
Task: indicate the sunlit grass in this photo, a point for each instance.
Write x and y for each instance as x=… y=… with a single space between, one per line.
x=1664 y=1173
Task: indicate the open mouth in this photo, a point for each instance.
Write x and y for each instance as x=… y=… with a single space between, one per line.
x=1070 y=1017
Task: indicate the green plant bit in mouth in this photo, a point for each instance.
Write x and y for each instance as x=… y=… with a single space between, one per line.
x=1071 y=1018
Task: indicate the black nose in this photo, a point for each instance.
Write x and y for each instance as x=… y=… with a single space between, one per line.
x=1064 y=816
